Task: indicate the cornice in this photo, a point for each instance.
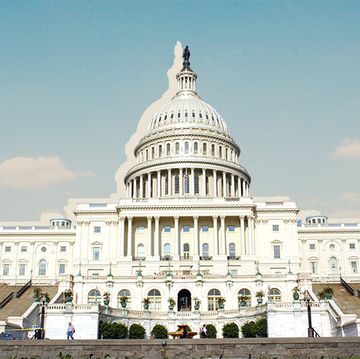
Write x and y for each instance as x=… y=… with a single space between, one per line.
x=186 y=206
x=278 y=210
x=37 y=233
x=321 y=230
x=91 y=211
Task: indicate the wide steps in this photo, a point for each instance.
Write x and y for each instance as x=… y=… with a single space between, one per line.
x=5 y=290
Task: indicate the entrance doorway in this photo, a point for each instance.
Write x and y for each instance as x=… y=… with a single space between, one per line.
x=184 y=300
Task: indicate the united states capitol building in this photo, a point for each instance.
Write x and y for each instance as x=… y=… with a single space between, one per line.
x=189 y=229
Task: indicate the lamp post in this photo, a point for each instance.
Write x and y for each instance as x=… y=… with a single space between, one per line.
x=41 y=333
x=311 y=333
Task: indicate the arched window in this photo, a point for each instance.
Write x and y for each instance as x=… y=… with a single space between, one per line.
x=186 y=249
x=186 y=148
x=275 y=295
x=204 y=148
x=226 y=153
x=186 y=184
x=177 y=184
x=244 y=295
x=140 y=251
x=177 y=148
x=232 y=253
x=124 y=293
x=94 y=296
x=42 y=267
x=160 y=150
x=154 y=297
x=205 y=250
x=333 y=264
x=168 y=149
x=196 y=148
x=152 y=153
x=167 y=249
x=147 y=155
x=213 y=299
x=166 y=183
x=196 y=184
x=213 y=150
x=220 y=151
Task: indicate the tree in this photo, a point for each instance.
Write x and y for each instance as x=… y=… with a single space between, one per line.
x=210 y=331
x=136 y=331
x=159 y=332
x=230 y=330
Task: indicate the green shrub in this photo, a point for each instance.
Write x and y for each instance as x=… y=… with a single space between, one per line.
x=136 y=331
x=159 y=332
x=230 y=330
x=113 y=330
x=261 y=327
x=247 y=330
x=211 y=331
x=255 y=329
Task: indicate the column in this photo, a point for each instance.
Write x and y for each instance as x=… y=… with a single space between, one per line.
x=242 y=228
x=196 y=237
x=149 y=230
x=158 y=184
x=157 y=239
x=149 y=185
x=243 y=187
x=251 y=234
x=215 y=229
x=204 y=182
x=214 y=184
x=232 y=185
x=169 y=183
x=181 y=182
x=239 y=186
x=192 y=182
x=224 y=184
x=247 y=189
x=135 y=188
x=121 y=236
x=129 y=237
x=108 y=235
x=141 y=186
x=223 y=237
x=176 y=229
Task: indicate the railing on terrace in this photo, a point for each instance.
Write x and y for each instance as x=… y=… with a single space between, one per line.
x=36 y=228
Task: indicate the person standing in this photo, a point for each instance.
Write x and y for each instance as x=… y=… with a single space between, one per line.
x=70 y=331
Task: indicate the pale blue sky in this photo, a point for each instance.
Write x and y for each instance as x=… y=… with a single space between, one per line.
x=75 y=78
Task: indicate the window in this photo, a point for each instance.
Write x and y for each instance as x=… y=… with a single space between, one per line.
x=196 y=184
x=333 y=264
x=186 y=250
x=205 y=228
x=213 y=150
x=43 y=249
x=245 y=293
x=313 y=267
x=232 y=250
x=167 y=249
x=276 y=251
x=275 y=295
x=186 y=148
x=160 y=151
x=204 y=148
x=332 y=246
x=177 y=184
x=23 y=249
x=6 y=269
x=205 y=250
x=168 y=149
x=140 y=251
x=186 y=228
x=96 y=253
x=155 y=299
x=7 y=249
x=354 y=266
x=42 y=267
x=61 y=268
x=213 y=299
x=167 y=229
x=141 y=229
x=124 y=293
x=186 y=183
x=22 y=269
x=312 y=246
x=94 y=297
x=97 y=229
x=220 y=151
x=152 y=153
x=231 y=228
x=352 y=245
x=275 y=228
x=196 y=148
x=166 y=185
x=177 y=148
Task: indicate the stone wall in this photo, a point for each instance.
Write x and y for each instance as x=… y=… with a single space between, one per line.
x=184 y=348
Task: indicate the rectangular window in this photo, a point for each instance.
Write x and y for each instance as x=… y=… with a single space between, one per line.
x=62 y=248
x=233 y=271
x=186 y=229
x=205 y=228
x=313 y=268
x=275 y=228
x=22 y=268
x=6 y=269
x=167 y=229
x=276 y=251
x=97 y=229
x=141 y=229
x=354 y=266
x=96 y=253
x=23 y=249
x=61 y=268
x=7 y=249
x=352 y=245
x=312 y=246
x=231 y=228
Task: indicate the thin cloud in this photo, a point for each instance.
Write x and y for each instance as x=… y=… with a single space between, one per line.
x=350 y=198
x=350 y=148
x=34 y=173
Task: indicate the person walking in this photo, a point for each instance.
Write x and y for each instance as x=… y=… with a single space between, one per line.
x=70 y=332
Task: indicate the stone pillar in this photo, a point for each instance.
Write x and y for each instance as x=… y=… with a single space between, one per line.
x=238 y=187
x=223 y=236
x=214 y=184
x=169 y=183
x=181 y=182
x=176 y=244
x=215 y=236
x=129 y=237
x=157 y=237
x=243 y=188
x=203 y=182
x=141 y=187
x=158 y=184
x=149 y=185
x=196 y=237
x=121 y=236
x=247 y=189
x=232 y=185
x=251 y=234
x=149 y=238
x=135 y=188
x=192 y=182
x=224 y=184
x=242 y=227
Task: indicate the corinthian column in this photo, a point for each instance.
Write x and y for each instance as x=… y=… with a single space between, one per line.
x=196 y=237
x=215 y=236
x=157 y=237
x=121 y=236
x=242 y=228
x=129 y=238
x=149 y=230
x=223 y=236
x=176 y=228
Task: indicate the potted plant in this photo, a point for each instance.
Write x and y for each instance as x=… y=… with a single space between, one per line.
x=146 y=302
x=197 y=303
x=328 y=292
x=296 y=293
x=45 y=297
x=243 y=299
x=123 y=301
x=68 y=296
x=221 y=302
x=106 y=298
x=171 y=303
x=260 y=294
x=37 y=295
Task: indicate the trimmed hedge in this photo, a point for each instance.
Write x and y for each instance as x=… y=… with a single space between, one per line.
x=257 y=329
x=230 y=330
x=159 y=332
x=113 y=330
x=136 y=331
x=211 y=331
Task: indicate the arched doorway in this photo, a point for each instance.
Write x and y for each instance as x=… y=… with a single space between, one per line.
x=184 y=300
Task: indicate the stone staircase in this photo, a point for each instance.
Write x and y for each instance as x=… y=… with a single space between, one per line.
x=5 y=290
x=18 y=306
x=348 y=303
